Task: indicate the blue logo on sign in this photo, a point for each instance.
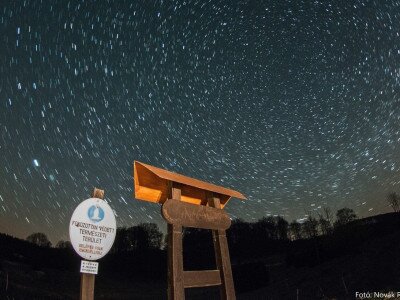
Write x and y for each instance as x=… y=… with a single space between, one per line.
x=95 y=213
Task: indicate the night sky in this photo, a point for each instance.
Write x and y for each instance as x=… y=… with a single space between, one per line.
x=293 y=103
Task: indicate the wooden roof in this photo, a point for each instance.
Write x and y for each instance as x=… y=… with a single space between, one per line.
x=151 y=184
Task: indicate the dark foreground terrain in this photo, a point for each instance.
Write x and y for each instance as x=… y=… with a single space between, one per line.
x=360 y=256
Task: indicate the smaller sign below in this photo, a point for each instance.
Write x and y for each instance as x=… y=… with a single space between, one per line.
x=90 y=267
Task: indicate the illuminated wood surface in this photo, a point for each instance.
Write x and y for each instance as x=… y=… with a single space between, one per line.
x=151 y=184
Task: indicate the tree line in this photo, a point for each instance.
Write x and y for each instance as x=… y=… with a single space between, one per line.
x=148 y=236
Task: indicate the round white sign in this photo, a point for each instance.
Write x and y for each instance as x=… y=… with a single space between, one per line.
x=92 y=228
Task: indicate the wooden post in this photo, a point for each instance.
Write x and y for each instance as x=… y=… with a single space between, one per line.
x=87 y=280
x=87 y=286
x=175 y=256
x=227 y=288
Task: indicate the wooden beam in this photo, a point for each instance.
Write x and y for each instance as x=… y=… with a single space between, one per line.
x=197 y=216
x=227 y=289
x=175 y=257
x=201 y=278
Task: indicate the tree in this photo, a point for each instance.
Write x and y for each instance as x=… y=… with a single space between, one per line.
x=345 y=216
x=39 y=239
x=152 y=236
x=64 y=244
x=325 y=226
x=295 y=230
x=241 y=234
x=282 y=227
x=394 y=200
x=122 y=241
x=142 y=236
x=310 y=227
x=239 y=231
x=325 y=221
x=266 y=227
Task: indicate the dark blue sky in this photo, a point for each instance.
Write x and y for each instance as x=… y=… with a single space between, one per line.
x=293 y=103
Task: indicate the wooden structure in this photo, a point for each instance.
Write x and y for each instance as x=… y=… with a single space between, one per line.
x=189 y=202
x=87 y=280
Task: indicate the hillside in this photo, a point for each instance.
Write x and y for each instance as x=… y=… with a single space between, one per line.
x=361 y=256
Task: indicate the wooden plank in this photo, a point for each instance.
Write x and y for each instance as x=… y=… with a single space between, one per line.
x=227 y=289
x=174 y=190
x=176 y=289
x=189 y=195
x=201 y=278
x=190 y=215
x=151 y=184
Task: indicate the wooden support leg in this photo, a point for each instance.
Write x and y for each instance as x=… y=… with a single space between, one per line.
x=175 y=263
x=176 y=289
x=227 y=288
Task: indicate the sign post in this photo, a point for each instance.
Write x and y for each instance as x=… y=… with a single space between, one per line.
x=188 y=202
x=92 y=232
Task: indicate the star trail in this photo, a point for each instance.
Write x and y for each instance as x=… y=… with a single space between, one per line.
x=293 y=103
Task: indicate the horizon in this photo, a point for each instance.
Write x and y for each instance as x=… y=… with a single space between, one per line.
x=164 y=231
